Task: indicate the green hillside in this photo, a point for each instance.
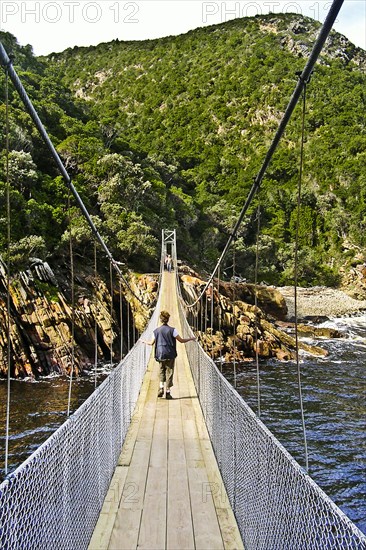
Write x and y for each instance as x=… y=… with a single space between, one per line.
x=171 y=132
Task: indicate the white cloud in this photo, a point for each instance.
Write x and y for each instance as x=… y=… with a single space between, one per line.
x=54 y=25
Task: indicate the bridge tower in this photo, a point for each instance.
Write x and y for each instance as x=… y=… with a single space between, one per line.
x=169 y=245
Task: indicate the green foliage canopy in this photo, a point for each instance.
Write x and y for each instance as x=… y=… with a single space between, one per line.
x=170 y=133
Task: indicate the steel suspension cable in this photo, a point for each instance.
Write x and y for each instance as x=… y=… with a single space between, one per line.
x=111 y=309
x=303 y=78
x=206 y=315
x=234 y=317
x=296 y=269
x=128 y=328
x=121 y=319
x=8 y=267
x=212 y=320
x=7 y=64
x=219 y=311
x=201 y=309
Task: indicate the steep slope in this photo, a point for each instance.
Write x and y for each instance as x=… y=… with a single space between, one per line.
x=209 y=102
x=170 y=132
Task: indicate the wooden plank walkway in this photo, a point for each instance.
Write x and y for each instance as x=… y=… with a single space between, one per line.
x=167 y=491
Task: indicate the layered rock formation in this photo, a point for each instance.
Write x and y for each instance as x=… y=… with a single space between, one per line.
x=354 y=282
x=240 y=327
x=43 y=324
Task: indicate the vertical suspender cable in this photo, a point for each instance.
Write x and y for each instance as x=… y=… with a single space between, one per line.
x=121 y=318
x=256 y=311
x=212 y=319
x=198 y=309
x=219 y=310
x=234 y=319
x=128 y=327
x=111 y=311
x=296 y=275
x=95 y=320
x=201 y=309
x=8 y=214
x=206 y=315
x=72 y=307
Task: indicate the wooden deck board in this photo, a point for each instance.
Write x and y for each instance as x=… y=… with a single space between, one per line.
x=153 y=522
x=167 y=492
x=207 y=532
x=179 y=517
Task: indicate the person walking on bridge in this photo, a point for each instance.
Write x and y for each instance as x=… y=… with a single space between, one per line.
x=165 y=340
x=169 y=263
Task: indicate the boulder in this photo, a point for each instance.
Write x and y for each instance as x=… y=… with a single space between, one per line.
x=319 y=332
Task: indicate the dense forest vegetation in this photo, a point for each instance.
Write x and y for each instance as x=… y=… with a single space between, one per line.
x=170 y=133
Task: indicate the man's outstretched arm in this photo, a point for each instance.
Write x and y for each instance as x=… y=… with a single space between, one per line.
x=184 y=340
x=149 y=343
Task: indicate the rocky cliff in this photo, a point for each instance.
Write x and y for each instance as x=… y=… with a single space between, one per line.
x=354 y=281
x=240 y=327
x=246 y=318
x=41 y=319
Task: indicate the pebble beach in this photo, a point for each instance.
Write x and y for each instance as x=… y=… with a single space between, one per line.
x=321 y=301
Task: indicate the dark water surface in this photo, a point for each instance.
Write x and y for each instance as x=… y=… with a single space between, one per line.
x=334 y=392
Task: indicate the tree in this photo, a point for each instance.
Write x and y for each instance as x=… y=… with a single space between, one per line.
x=22 y=172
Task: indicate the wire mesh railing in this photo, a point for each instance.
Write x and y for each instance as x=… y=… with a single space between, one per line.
x=276 y=504
x=53 y=500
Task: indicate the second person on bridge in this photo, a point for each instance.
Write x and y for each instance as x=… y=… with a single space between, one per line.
x=165 y=338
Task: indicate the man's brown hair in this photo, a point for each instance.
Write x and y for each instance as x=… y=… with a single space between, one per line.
x=164 y=316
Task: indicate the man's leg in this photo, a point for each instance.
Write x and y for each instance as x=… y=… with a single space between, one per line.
x=162 y=377
x=169 y=373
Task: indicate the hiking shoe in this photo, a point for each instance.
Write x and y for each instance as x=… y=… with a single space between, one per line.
x=168 y=395
x=161 y=392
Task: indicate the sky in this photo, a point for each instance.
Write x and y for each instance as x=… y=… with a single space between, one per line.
x=54 y=25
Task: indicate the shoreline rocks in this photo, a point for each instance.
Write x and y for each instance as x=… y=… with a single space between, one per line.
x=241 y=329
x=41 y=318
x=320 y=302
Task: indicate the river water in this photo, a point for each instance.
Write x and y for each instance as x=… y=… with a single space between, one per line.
x=334 y=405
x=334 y=392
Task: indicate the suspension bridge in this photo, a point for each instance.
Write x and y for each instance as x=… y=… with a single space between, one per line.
x=167 y=491
x=131 y=470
